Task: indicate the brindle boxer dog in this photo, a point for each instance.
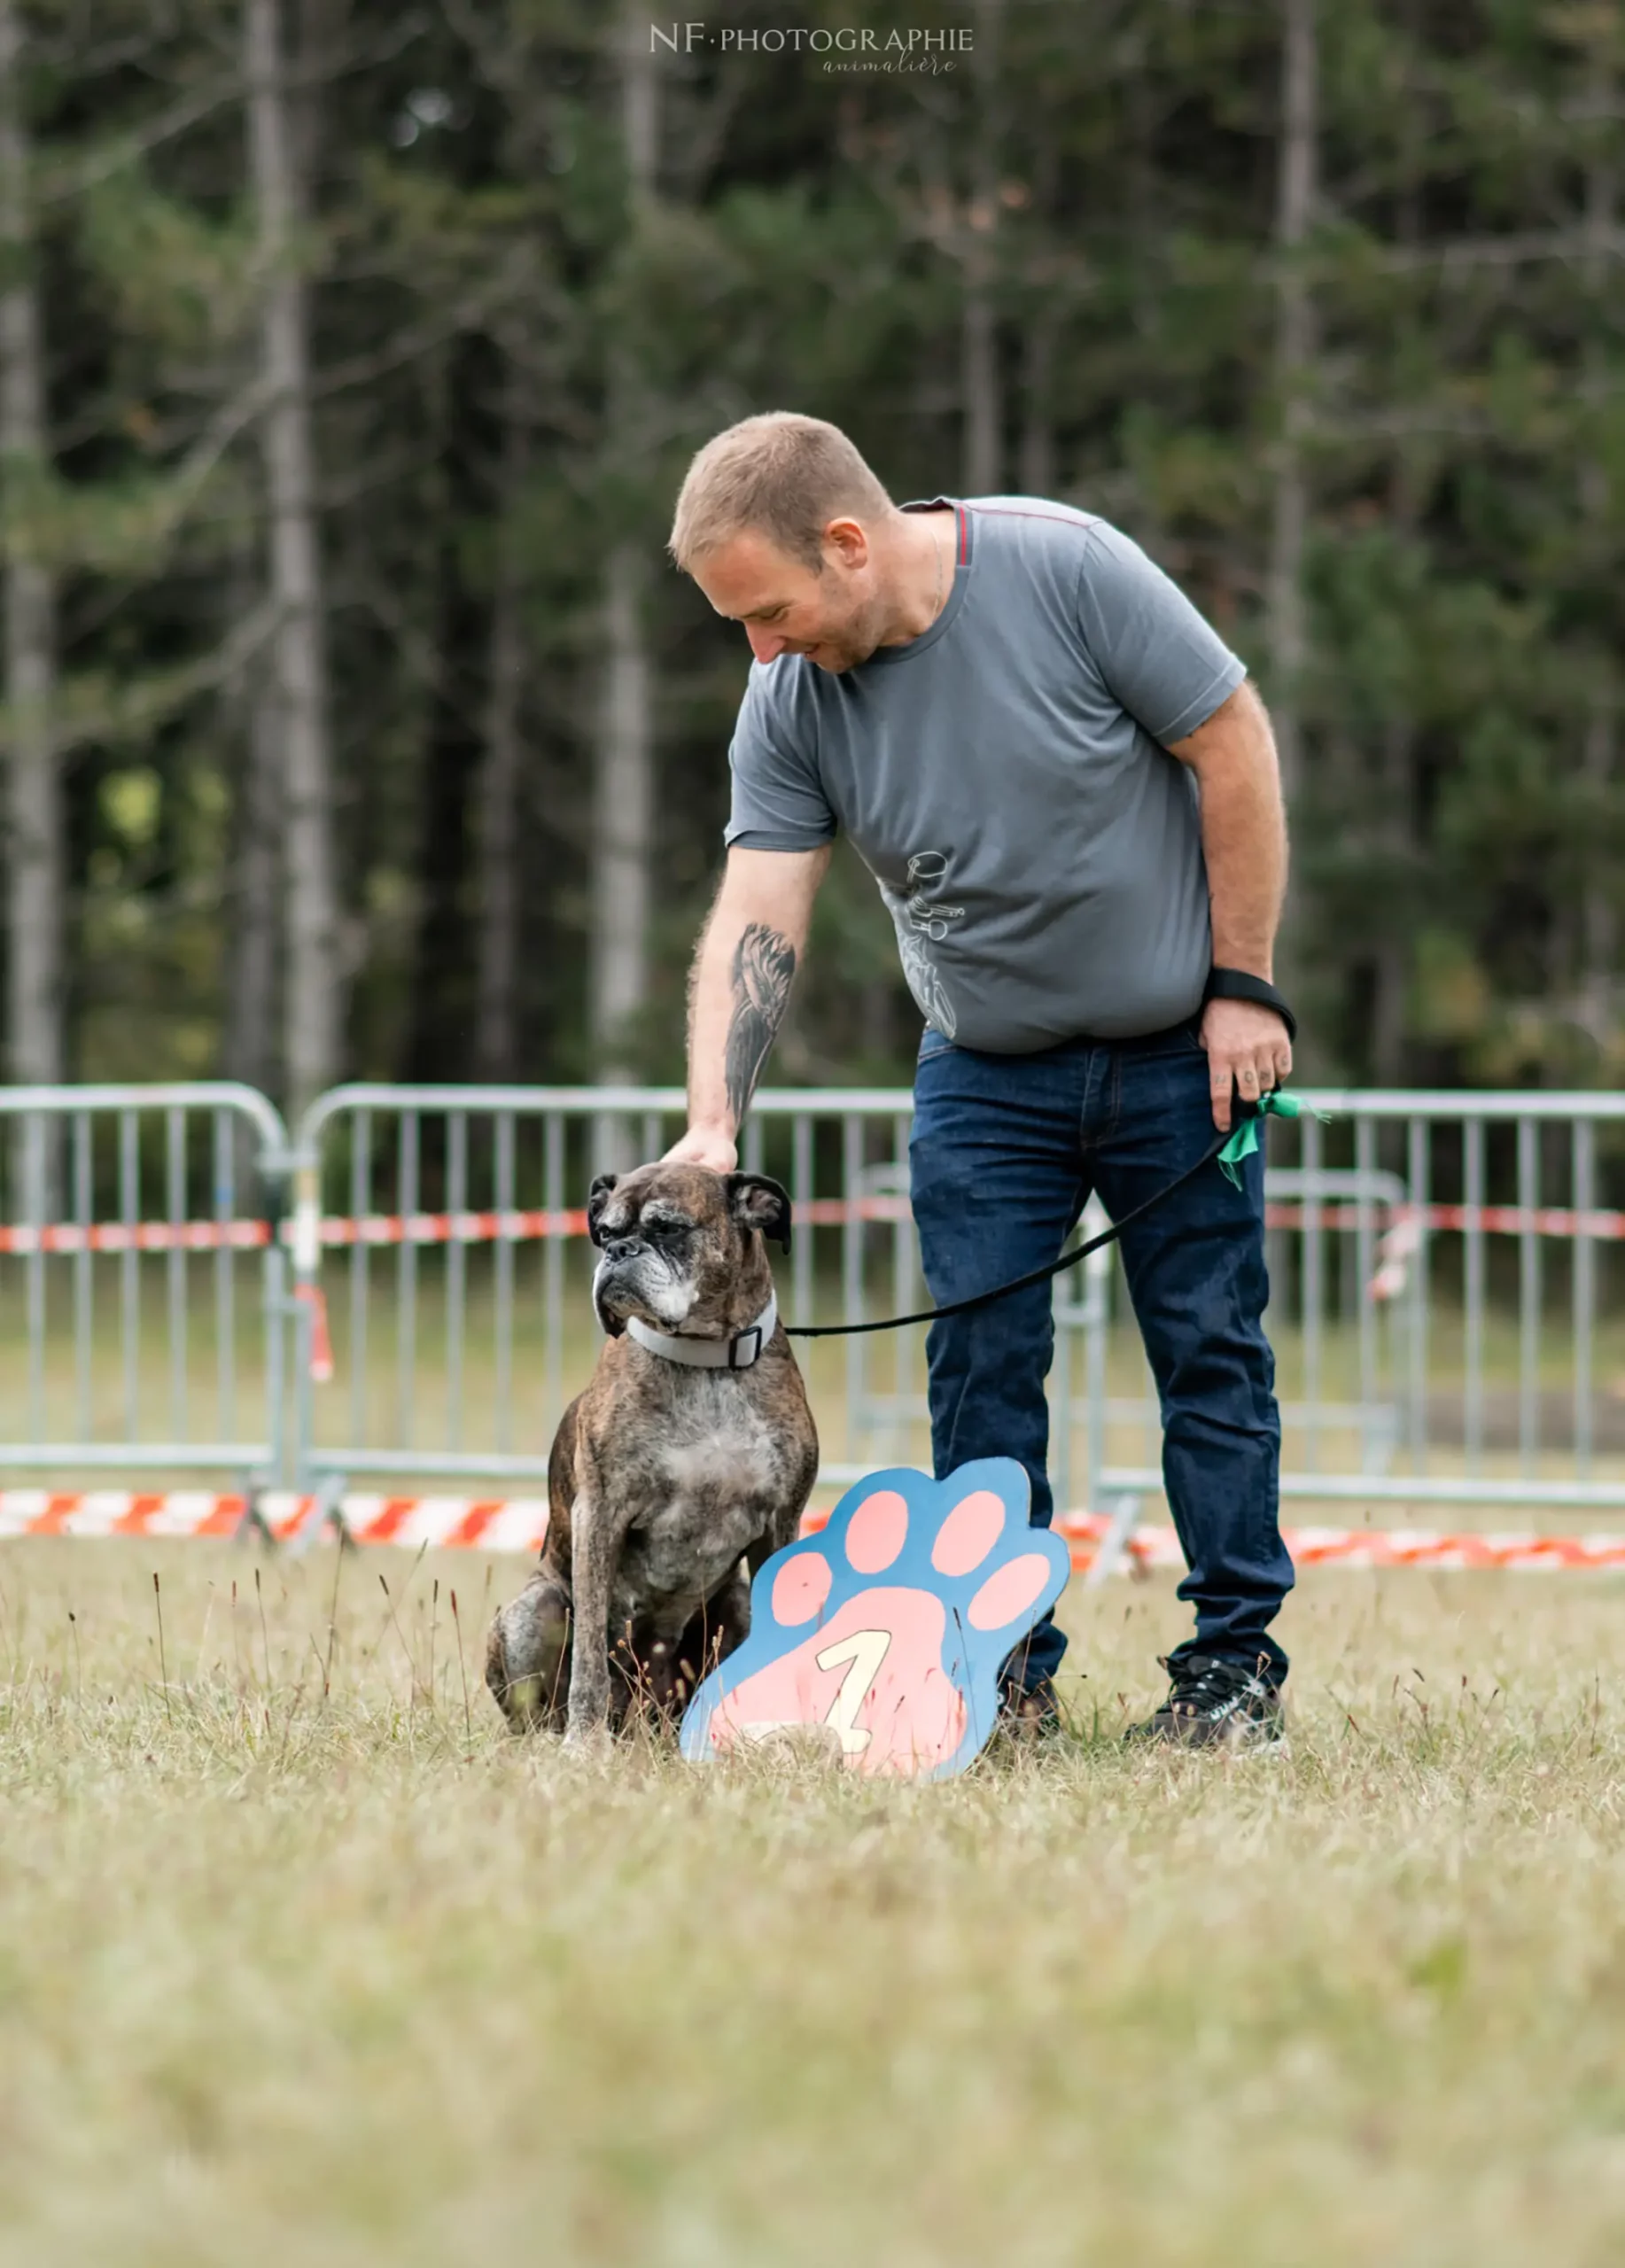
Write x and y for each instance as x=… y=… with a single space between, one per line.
x=686 y=1463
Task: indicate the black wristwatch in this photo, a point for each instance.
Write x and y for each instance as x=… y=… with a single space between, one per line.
x=1241 y=984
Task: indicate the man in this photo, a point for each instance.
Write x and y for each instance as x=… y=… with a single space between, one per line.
x=1068 y=796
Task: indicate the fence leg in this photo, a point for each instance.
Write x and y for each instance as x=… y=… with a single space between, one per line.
x=1115 y=1542
x=307 y=1263
x=254 y=1525
x=274 y=1167
x=325 y=1501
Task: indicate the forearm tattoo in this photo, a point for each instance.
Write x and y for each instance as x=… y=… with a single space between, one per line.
x=764 y=964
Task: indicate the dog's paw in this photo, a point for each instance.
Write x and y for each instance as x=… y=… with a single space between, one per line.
x=527 y=1653
x=590 y=1738
x=886 y=1632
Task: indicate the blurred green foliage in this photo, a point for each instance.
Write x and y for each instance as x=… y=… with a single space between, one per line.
x=1459 y=831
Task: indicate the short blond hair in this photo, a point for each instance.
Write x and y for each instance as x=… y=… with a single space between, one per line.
x=782 y=474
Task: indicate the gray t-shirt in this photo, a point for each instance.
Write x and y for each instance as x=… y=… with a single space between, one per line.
x=1004 y=779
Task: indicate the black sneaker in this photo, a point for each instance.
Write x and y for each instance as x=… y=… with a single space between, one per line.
x=1213 y=1703
x=1029 y=1711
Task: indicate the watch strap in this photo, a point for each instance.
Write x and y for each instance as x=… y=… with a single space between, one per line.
x=1241 y=984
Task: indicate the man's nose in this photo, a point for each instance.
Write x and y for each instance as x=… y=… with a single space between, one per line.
x=766 y=645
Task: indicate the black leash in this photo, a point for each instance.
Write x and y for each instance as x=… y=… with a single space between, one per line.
x=1037 y=1275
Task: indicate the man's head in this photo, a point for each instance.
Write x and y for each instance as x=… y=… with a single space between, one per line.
x=786 y=531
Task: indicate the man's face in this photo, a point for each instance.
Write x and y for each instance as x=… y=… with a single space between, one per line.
x=835 y=618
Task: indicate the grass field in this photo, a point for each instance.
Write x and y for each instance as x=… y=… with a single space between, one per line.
x=300 y=1961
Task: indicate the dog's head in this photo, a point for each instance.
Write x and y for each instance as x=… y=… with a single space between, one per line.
x=682 y=1248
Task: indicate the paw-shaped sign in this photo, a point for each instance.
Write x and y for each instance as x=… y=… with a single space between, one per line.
x=881 y=1638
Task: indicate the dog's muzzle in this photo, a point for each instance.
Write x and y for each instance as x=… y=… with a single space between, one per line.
x=631 y=1275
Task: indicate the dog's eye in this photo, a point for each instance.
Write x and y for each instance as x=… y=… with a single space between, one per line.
x=666 y=1228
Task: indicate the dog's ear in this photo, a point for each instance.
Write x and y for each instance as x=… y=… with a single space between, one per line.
x=756 y=1202
x=597 y=1198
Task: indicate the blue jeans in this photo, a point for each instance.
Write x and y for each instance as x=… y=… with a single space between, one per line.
x=1005 y=1151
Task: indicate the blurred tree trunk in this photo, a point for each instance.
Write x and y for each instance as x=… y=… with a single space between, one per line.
x=313 y=975
x=623 y=804
x=497 y=1038
x=1037 y=462
x=1598 y=919
x=1394 y=823
x=979 y=373
x=1295 y=343
x=249 y=1051
x=1044 y=298
x=35 y=830
x=443 y=1031
x=1395 y=792
x=622 y=769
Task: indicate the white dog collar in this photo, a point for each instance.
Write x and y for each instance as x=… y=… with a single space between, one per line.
x=735 y=1354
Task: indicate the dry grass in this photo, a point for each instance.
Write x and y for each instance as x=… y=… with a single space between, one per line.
x=297 y=1962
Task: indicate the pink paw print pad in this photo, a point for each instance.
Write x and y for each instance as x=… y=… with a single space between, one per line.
x=881 y=1638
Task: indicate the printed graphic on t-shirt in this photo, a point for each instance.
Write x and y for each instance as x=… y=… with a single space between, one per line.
x=922 y=920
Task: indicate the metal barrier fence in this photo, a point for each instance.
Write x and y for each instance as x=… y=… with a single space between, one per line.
x=1440 y=1266
x=1438 y=1263
x=467 y=1200
x=124 y=1213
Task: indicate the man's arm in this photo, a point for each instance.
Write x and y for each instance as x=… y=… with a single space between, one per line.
x=1244 y=842
x=743 y=967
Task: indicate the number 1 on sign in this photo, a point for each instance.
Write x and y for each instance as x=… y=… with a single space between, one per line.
x=865 y=1649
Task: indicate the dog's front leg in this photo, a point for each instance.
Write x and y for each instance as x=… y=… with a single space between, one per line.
x=593 y=1545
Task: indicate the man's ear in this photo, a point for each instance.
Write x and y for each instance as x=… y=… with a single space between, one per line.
x=597 y=1198
x=757 y=1202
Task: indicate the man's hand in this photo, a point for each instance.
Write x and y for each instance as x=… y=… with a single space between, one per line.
x=1247 y=1044
x=703 y=1145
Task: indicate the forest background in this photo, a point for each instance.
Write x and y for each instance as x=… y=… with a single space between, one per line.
x=351 y=353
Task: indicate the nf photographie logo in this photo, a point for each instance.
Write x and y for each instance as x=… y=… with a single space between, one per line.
x=847 y=48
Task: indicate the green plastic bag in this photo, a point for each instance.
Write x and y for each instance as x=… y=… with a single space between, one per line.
x=1244 y=1141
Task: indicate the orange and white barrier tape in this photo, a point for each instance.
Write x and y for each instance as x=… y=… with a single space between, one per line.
x=1401 y=1237
x=338 y=1232
x=137 y=1236
x=1365 y=1547
x=253 y=1236
x=520 y=1524
x=495 y=1524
